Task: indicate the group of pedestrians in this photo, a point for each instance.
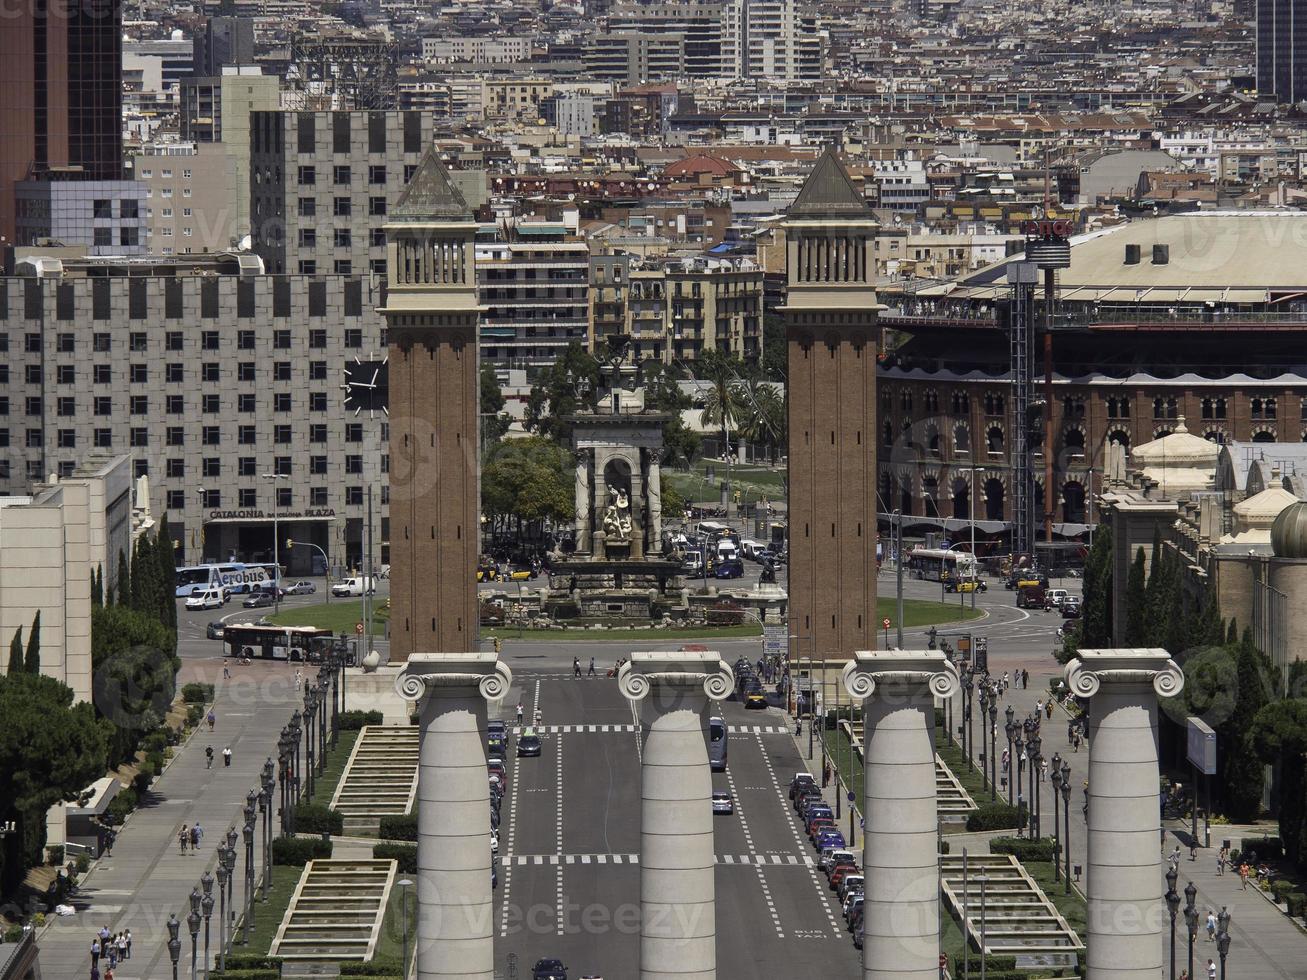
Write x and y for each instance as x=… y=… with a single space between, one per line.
x=111 y=947
x=190 y=837
x=576 y=667
x=1020 y=680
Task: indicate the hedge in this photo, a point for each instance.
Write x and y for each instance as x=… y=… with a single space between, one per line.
x=315 y=818
x=237 y=960
x=122 y=804
x=399 y=826
x=197 y=693
x=246 y=975
x=1297 y=903
x=372 y=968
x=1040 y=849
x=405 y=854
x=194 y=715
x=295 y=852
x=997 y=816
x=352 y=721
x=1280 y=889
x=1266 y=848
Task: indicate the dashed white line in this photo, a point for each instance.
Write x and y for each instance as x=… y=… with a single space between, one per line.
x=506 y=841
x=748 y=841
x=558 y=755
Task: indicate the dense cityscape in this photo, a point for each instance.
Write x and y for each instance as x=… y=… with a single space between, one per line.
x=666 y=489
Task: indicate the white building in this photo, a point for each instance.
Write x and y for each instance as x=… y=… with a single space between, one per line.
x=486 y=50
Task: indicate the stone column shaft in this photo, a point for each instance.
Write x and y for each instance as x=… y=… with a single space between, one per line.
x=678 y=924
x=455 y=930
x=900 y=841
x=1127 y=921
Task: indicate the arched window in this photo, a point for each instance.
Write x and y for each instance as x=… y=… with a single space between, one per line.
x=1073 y=407
x=994 y=499
x=1213 y=408
x=905 y=400
x=1166 y=408
x=962 y=403
x=1073 y=502
x=932 y=441
x=1262 y=408
x=961 y=500
x=1215 y=435
x=1120 y=436
x=930 y=495
x=1118 y=408
x=932 y=400
x=1265 y=435
x=1074 y=440
x=887 y=433
x=961 y=439
x=994 y=439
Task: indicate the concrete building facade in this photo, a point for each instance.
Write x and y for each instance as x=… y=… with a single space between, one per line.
x=192 y=199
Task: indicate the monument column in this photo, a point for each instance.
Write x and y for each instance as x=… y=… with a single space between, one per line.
x=654 y=492
x=900 y=844
x=1123 y=889
x=583 y=502
x=678 y=926
x=455 y=934
x=637 y=510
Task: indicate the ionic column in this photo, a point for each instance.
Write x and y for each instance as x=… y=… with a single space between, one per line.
x=582 y=493
x=678 y=922
x=900 y=845
x=654 y=492
x=1123 y=887
x=455 y=912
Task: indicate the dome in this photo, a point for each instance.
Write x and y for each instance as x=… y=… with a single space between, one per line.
x=1289 y=532
x=1180 y=449
x=1261 y=510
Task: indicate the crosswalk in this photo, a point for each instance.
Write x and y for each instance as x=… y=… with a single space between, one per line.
x=520 y=860
x=629 y=729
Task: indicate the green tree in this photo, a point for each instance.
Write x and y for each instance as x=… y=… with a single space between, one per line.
x=32 y=659
x=97 y=588
x=50 y=750
x=567 y=386
x=1239 y=770
x=1136 y=603
x=494 y=422
x=775 y=355
x=166 y=560
x=135 y=672
x=124 y=581
x=722 y=405
x=763 y=417
x=16 y=652
x=528 y=481
x=681 y=444
x=1096 y=618
x=1279 y=736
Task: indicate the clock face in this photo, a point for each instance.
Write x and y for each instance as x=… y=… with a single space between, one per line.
x=365 y=385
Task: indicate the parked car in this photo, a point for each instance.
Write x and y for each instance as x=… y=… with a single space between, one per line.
x=549 y=970
x=1055 y=597
x=208 y=599
x=729 y=568
x=851 y=884
x=722 y=802
x=831 y=854
x=214 y=630
x=830 y=838
x=755 y=700
x=801 y=779
x=257 y=600
x=1031 y=597
x=302 y=587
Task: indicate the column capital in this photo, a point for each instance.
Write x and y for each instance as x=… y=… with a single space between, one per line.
x=1129 y=665
x=676 y=669
x=423 y=672
x=870 y=669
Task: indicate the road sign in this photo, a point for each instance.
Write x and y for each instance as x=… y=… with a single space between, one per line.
x=862 y=822
x=358 y=627
x=852 y=797
x=773 y=640
x=885 y=622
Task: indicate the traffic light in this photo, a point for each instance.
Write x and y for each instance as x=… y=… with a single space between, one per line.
x=290 y=543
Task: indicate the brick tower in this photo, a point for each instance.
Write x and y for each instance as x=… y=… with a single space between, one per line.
x=431 y=321
x=832 y=337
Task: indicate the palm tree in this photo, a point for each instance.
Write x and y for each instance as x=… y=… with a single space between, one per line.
x=721 y=403
x=762 y=416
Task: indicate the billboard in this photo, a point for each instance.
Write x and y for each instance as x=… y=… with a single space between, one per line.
x=1202 y=746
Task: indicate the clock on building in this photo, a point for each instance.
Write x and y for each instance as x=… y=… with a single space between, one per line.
x=366 y=385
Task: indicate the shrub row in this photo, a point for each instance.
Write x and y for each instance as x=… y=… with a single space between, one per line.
x=399 y=826
x=295 y=852
x=197 y=693
x=1297 y=903
x=352 y=721
x=246 y=975
x=997 y=816
x=237 y=960
x=315 y=818
x=374 y=968
x=1040 y=849
x=406 y=855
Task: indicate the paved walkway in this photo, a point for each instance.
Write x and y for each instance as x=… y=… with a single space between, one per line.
x=147 y=878
x=1265 y=945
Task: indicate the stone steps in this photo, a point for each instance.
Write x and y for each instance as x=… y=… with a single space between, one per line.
x=336 y=912
x=380 y=778
x=1018 y=917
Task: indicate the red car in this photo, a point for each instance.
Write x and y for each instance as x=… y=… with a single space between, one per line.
x=818 y=825
x=838 y=874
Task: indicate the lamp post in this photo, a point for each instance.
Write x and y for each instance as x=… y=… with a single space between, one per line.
x=266 y=797
x=222 y=908
x=404 y=885
x=1191 y=921
x=324 y=688
x=968 y=686
x=232 y=839
x=310 y=709
x=1055 y=777
x=1223 y=936
x=1172 y=906
x=1034 y=743
x=993 y=755
x=1066 y=819
x=296 y=730
x=1016 y=771
x=276 y=541
x=334 y=662
x=206 y=906
x=249 y=832
x=1010 y=729
x=174 y=944
x=193 y=924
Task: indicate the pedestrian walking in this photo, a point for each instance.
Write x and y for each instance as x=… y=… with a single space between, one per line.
x=1004 y=680
x=104 y=935
x=1039 y=706
x=184 y=837
x=1175 y=857
x=1048 y=709
x=208 y=757
x=198 y=831
x=1243 y=876
x=109 y=839
x=95 y=951
x=226 y=757
x=825 y=774
x=1220 y=862
x=111 y=953
x=576 y=666
x=95 y=972
x=195 y=838
x=1193 y=850
x=212 y=719
x=592 y=668
x=226 y=670
x=1211 y=926
x=1184 y=975
x=519 y=712
x=127 y=942
x=108 y=974
x=1211 y=969
x=298 y=675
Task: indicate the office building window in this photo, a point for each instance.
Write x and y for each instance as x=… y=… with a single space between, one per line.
x=281 y=434
x=245 y=340
x=281 y=465
x=210 y=404
x=67 y=438
x=354 y=496
x=308 y=176
x=340 y=175
x=318 y=465
x=247 y=435
x=377 y=173
x=34 y=439
x=284 y=497
x=176 y=500
x=174 y=404
x=33 y=374
x=211 y=466
x=209 y=340
x=317 y=496
x=308 y=267
x=247 y=466
x=210 y=371
x=139 y=405
x=340 y=207
x=343 y=267
x=65 y=374
x=353 y=431
x=317 y=370
x=211 y=435
x=103 y=438
x=65 y=343
x=308 y=207
x=377 y=209
x=103 y=405
x=173 y=340
x=343 y=238
x=137 y=341
x=101 y=342
x=174 y=374
x=317 y=401
x=247 y=497
x=140 y=437
x=139 y=374
x=281 y=371
x=33 y=404
x=317 y=432
x=102 y=374
x=281 y=401
x=317 y=338
x=212 y=498
x=175 y=435
x=245 y=402
x=353 y=337
x=353 y=464
x=246 y=371
x=66 y=406
x=281 y=339
x=308 y=237
x=174 y=469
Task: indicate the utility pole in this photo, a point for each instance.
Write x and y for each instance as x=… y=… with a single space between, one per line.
x=369 y=582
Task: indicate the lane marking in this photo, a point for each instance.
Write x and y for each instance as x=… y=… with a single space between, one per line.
x=506 y=840
x=758 y=862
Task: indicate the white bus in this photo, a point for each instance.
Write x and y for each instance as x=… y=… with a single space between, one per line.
x=938 y=565
x=234 y=577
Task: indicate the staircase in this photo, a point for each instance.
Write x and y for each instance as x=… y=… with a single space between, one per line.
x=380 y=778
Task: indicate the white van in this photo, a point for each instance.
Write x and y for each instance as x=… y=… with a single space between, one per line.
x=354 y=586
x=1056 y=597
x=727 y=550
x=749 y=549
x=209 y=599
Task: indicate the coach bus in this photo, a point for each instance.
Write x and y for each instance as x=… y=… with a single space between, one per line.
x=938 y=565
x=233 y=577
x=266 y=642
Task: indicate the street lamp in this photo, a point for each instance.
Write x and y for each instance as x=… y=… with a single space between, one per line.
x=1055 y=777
x=993 y=737
x=174 y=944
x=266 y=798
x=1172 y=906
x=968 y=688
x=206 y=906
x=310 y=709
x=222 y=908
x=276 y=540
x=230 y=857
x=1034 y=744
x=193 y=924
x=1016 y=762
x=249 y=831
x=1191 y=921
x=1223 y=937
x=1066 y=819
x=404 y=885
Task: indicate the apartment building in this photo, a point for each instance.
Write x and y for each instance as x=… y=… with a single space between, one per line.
x=533 y=284
x=633 y=57
x=481 y=49
x=772 y=39
x=211 y=374
x=191 y=197
x=699 y=26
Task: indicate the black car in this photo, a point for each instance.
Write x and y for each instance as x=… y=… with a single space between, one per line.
x=214 y=631
x=549 y=970
x=528 y=745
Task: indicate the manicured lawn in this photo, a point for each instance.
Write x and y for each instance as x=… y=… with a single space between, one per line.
x=268 y=915
x=390 y=944
x=1071 y=906
x=510 y=633
x=338 y=615
x=922 y=612
x=324 y=786
x=759 y=481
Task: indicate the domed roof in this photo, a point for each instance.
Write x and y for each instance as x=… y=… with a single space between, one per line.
x=1180 y=449
x=1289 y=532
x=1264 y=507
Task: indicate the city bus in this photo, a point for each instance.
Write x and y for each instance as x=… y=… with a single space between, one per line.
x=234 y=577
x=266 y=642
x=938 y=565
